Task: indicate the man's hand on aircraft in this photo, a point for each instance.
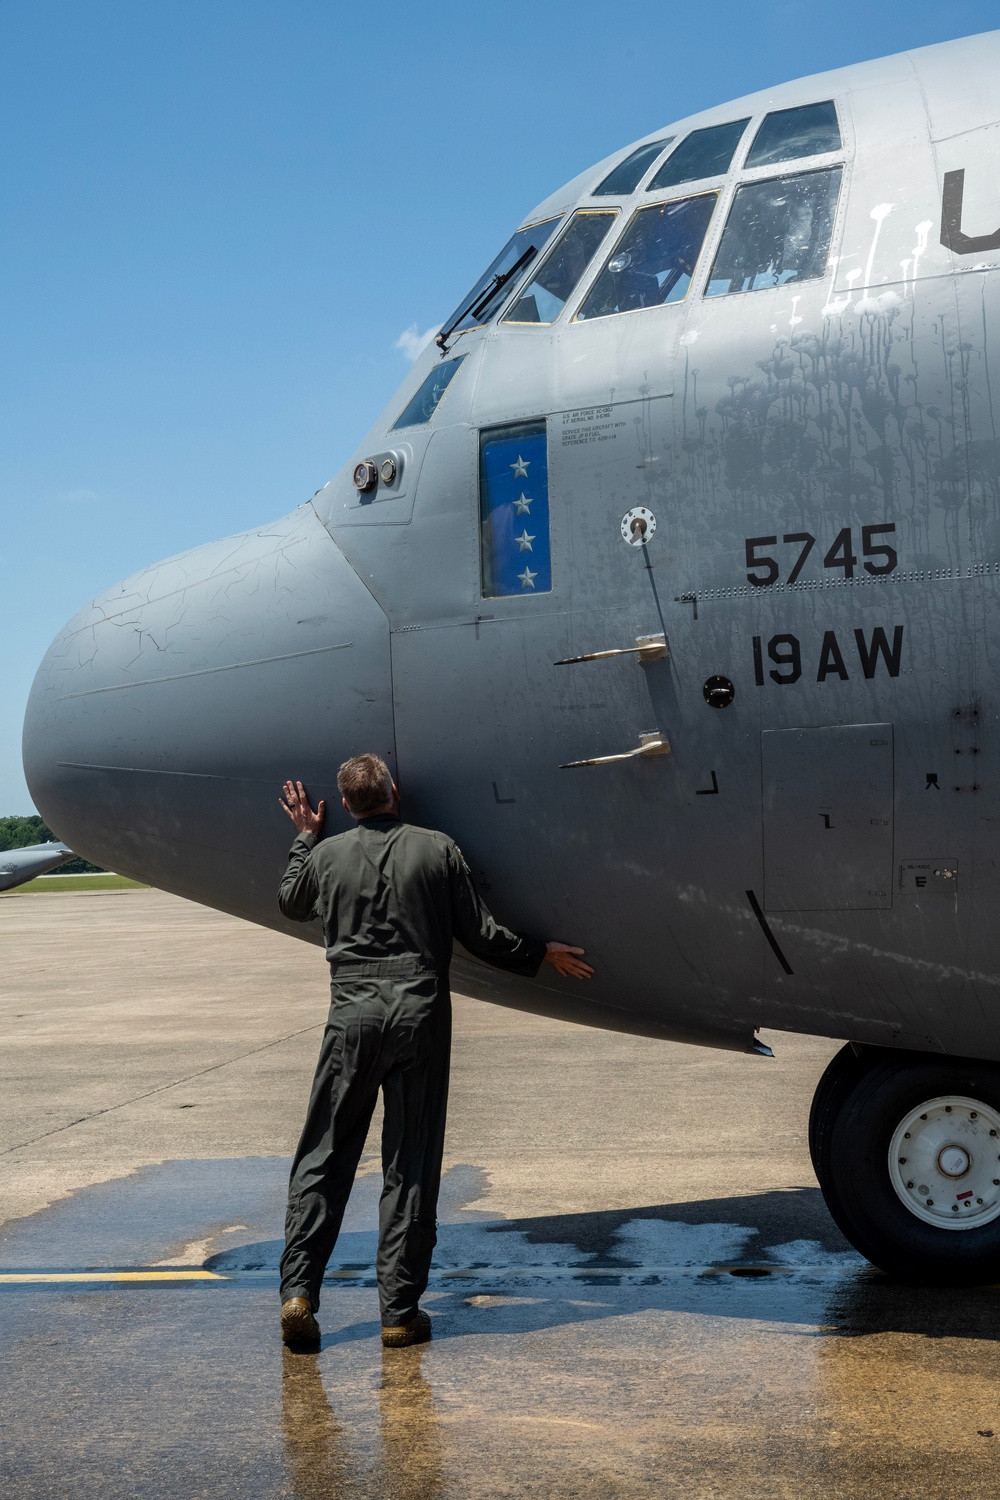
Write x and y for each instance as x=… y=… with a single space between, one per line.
x=296 y=805
x=565 y=961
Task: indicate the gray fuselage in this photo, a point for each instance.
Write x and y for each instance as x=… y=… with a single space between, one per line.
x=817 y=854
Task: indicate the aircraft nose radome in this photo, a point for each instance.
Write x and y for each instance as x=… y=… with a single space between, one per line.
x=165 y=716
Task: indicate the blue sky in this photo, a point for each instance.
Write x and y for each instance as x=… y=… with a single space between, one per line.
x=220 y=219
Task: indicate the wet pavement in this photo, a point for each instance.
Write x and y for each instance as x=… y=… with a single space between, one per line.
x=637 y=1290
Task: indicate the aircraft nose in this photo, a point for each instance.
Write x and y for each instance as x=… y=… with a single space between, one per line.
x=168 y=712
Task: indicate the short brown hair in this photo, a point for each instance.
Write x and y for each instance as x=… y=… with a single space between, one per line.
x=365 y=783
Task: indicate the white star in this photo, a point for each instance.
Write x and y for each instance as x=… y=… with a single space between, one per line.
x=524 y=541
x=527 y=578
x=523 y=504
x=520 y=468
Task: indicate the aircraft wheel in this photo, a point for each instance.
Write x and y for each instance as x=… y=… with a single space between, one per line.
x=842 y=1073
x=909 y=1165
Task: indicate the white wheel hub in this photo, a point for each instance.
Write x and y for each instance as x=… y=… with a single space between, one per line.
x=944 y=1162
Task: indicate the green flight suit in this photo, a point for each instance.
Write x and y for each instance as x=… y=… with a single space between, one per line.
x=391 y=897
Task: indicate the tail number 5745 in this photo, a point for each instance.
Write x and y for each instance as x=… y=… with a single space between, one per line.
x=876 y=554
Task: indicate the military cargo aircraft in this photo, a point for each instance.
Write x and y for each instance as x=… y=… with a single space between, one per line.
x=669 y=584
x=20 y=865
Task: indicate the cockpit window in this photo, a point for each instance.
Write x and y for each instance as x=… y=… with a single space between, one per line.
x=479 y=306
x=422 y=406
x=777 y=231
x=545 y=296
x=654 y=260
x=785 y=134
x=628 y=174
x=704 y=153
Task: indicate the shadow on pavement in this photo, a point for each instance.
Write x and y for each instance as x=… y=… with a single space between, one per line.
x=508 y=1276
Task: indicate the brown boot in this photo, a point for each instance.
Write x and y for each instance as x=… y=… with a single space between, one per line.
x=400 y=1335
x=298 y=1326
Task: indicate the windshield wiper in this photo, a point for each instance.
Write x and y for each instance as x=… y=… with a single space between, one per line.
x=482 y=301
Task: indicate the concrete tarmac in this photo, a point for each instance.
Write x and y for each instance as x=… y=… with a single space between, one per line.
x=637 y=1290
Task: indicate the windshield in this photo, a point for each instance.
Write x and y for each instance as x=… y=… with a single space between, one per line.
x=654 y=260
x=788 y=133
x=545 y=296
x=704 y=153
x=778 y=231
x=475 y=309
x=625 y=178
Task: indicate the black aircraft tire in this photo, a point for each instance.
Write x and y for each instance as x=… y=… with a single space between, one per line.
x=860 y=1120
x=842 y=1074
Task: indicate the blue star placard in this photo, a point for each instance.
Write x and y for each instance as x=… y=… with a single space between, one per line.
x=514 y=488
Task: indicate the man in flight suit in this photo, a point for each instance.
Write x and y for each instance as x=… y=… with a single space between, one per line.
x=391 y=897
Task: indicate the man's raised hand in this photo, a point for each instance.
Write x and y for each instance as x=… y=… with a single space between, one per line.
x=296 y=805
x=566 y=961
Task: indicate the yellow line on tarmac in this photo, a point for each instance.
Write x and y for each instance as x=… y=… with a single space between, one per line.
x=8 y=1278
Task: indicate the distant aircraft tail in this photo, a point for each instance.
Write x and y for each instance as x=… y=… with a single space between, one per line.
x=19 y=865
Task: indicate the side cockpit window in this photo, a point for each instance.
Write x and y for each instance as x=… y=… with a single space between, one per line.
x=654 y=260
x=778 y=231
x=514 y=510
x=628 y=174
x=786 y=134
x=424 y=403
x=547 y=293
x=498 y=280
x=703 y=153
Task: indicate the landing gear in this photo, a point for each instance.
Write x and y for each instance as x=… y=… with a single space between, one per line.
x=906 y=1146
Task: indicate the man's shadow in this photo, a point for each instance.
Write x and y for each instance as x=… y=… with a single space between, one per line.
x=547 y=1260
x=757 y=1223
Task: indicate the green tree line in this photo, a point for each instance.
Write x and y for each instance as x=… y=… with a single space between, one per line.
x=18 y=832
